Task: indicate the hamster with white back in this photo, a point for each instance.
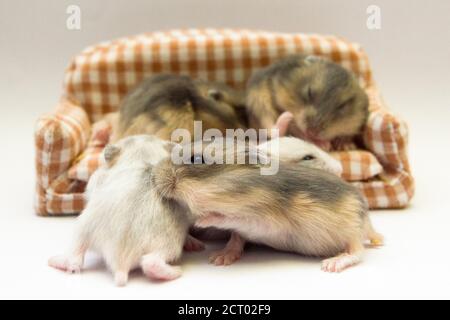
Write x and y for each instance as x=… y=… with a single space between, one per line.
x=126 y=221
x=163 y=103
x=326 y=99
x=299 y=209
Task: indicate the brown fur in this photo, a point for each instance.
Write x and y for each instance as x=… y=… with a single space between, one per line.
x=163 y=103
x=325 y=99
x=300 y=209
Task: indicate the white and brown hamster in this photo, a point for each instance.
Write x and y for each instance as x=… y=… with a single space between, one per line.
x=326 y=100
x=163 y=103
x=299 y=209
x=125 y=220
x=285 y=149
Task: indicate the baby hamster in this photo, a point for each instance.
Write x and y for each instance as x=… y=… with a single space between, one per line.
x=290 y=150
x=165 y=102
x=325 y=99
x=125 y=220
x=300 y=209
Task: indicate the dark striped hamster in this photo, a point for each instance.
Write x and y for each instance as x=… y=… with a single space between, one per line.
x=326 y=100
x=162 y=103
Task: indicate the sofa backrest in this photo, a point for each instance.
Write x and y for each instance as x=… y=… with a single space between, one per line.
x=101 y=75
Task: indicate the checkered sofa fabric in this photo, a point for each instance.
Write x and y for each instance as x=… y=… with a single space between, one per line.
x=59 y=138
x=69 y=141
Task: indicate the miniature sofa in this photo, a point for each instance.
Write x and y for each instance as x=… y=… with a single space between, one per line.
x=70 y=139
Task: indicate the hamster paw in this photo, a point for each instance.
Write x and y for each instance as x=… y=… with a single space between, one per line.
x=157 y=269
x=192 y=244
x=343 y=144
x=339 y=263
x=65 y=264
x=120 y=278
x=225 y=257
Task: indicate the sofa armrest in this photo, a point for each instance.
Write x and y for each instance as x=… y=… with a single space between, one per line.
x=386 y=137
x=358 y=165
x=59 y=138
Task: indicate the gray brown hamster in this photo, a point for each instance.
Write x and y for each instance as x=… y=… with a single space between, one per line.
x=326 y=100
x=299 y=209
x=285 y=149
x=125 y=220
x=165 y=102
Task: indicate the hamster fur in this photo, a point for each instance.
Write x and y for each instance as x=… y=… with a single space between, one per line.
x=125 y=220
x=163 y=103
x=300 y=209
x=301 y=152
x=326 y=100
x=291 y=150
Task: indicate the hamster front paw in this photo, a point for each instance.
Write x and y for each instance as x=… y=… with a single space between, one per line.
x=225 y=257
x=231 y=253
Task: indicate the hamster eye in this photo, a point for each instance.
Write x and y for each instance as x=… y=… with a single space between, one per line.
x=197 y=159
x=308 y=158
x=215 y=94
x=308 y=95
x=344 y=105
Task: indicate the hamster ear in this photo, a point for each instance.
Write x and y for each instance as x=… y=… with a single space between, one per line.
x=283 y=122
x=111 y=152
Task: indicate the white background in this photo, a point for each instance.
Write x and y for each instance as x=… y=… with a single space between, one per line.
x=411 y=59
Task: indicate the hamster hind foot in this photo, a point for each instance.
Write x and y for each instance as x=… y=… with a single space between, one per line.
x=343 y=261
x=156 y=268
x=339 y=263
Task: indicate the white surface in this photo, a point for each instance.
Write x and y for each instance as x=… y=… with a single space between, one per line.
x=415 y=263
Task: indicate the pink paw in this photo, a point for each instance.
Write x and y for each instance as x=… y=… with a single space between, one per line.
x=157 y=269
x=121 y=278
x=343 y=144
x=225 y=257
x=193 y=244
x=340 y=263
x=65 y=264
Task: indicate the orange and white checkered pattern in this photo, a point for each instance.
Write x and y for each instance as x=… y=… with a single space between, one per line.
x=97 y=79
